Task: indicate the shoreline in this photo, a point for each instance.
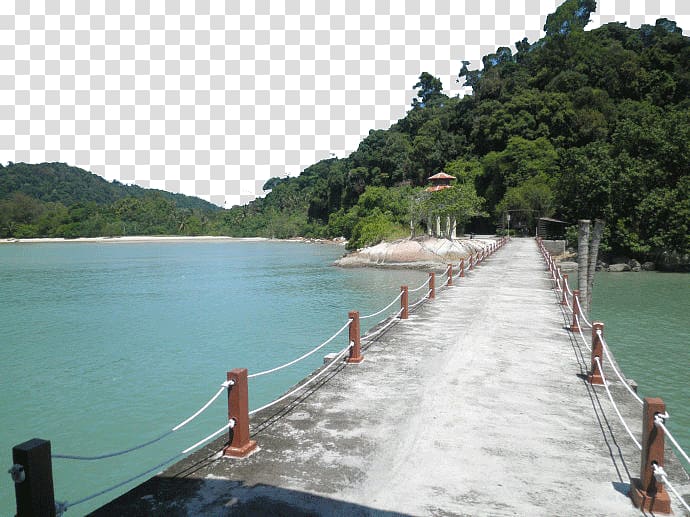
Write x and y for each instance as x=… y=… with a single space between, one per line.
x=160 y=238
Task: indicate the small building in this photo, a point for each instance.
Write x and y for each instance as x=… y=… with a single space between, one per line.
x=440 y=181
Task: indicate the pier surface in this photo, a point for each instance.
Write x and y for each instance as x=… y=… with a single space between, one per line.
x=476 y=405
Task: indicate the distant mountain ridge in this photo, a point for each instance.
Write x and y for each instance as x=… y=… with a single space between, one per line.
x=60 y=183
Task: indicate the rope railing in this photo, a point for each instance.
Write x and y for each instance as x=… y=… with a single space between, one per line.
x=224 y=387
x=304 y=356
x=421 y=300
x=391 y=320
x=615 y=407
x=613 y=366
x=426 y=282
x=397 y=298
x=305 y=384
x=584 y=340
x=661 y=477
x=659 y=422
x=582 y=314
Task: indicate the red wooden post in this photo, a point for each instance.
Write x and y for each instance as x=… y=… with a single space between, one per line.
x=355 y=350
x=574 y=324
x=32 y=474
x=450 y=275
x=564 y=288
x=471 y=261
x=462 y=268
x=647 y=493
x=404 y=303
x=432 y=286
x=595 y=376
x=238 y=410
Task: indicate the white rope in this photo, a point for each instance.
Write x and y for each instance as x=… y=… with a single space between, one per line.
x=660 y=476
x=224 y=386
x=422 y=299
x=67 y=505
x=266 y=372
x=384 y=309
x=582 y=313
x=421 y=286
x=608 y=356
x=392 y=320
x=302 y=386
x=579 y=329
x=615 y=407
x=659 y=421
x=460 y=270
x=230 y=424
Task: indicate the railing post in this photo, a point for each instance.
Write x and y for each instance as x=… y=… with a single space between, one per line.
x=471 y=261
x=404 y=303
x=574 y=324
x=355 y=350
x=462 y=268
x=238 y=410
x=564 y=289
x=647 y=493
x=432 y=286
x=595 y=376
x=449 y=283
x=32 y=474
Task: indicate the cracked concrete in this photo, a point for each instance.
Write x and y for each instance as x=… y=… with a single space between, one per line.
x=476 y=405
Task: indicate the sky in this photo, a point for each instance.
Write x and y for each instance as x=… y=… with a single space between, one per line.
x=212 y=98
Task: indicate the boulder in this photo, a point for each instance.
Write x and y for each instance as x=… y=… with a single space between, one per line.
x=648 y=266
x=618 y=268
x=568 y=266
x=635 y=265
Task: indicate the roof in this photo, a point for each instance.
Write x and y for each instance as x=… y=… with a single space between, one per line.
x=549 y=220
x=442 y=176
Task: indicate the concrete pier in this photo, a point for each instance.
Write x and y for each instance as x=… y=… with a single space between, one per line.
x=478 y=404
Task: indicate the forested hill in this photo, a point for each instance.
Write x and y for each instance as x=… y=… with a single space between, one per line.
x=60 y=183
x=56 y=200
x=580 y=124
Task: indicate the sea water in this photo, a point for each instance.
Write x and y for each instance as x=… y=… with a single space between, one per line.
x=108 y=345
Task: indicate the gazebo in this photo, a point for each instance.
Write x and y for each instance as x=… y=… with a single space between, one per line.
x=440 y=181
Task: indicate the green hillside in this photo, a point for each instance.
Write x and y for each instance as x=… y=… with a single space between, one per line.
x=576 y=125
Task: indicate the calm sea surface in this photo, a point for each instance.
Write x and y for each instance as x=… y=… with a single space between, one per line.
x=106 y=345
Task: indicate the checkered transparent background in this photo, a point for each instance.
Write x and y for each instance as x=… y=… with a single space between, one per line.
x=212 y=98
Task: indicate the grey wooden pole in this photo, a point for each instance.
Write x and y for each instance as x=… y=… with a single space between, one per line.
x=33 y=475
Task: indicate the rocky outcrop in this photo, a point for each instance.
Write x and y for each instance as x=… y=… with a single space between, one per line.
x=619 y=268
x=425 y=252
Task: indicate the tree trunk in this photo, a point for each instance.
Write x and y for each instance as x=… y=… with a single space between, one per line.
x=597 y=233
x=438 y=226
x=582 y=260
x=454 y=228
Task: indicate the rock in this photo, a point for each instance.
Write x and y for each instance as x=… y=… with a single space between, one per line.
x=635 y=265
x=618 y=268
x=648 y=266
x=601 y=266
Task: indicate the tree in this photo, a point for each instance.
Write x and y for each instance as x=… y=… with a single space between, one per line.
x=430 y=89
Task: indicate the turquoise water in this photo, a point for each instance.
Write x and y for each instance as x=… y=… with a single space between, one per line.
x=646 y=320
x=106 y=345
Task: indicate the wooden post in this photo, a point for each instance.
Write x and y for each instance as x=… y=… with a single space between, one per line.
x=595 y=376
x=404 y=303
x=574 y=324
x=646 y=493
x=32 y=473
x=238 y=410
x=432 y=286
x=564 y=289
x=449 y=282
x=471 y=261
x=355 y=350
x=462 y=268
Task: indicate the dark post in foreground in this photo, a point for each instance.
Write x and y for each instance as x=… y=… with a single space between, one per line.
x=594 y=376
x=355 y=350
x=238 y=410
x=404 y=303
x=574 y=323
x=32 y=474
x=646 y=492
